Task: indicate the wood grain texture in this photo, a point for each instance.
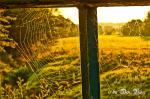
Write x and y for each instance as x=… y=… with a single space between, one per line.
x=84 y=53
x=70 y=3
x=89 y=52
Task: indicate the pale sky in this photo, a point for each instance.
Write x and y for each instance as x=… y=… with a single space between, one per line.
x=110 y=14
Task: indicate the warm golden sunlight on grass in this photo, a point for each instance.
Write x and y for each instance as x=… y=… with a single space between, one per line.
x=125 y=44
x=40 y=53
x=107 y=43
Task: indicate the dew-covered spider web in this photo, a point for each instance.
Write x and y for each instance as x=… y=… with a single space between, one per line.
x=47 y=52
x=124 y=56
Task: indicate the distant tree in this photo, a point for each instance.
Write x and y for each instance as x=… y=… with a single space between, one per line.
x=65 y=28
x=100 y=29
x=108 y=30
x=146 y=26
x=132 y=28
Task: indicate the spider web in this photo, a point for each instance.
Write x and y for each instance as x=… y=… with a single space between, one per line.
x=40 y=49
x=35 y=30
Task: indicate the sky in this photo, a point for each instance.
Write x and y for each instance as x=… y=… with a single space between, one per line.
x=110 y=14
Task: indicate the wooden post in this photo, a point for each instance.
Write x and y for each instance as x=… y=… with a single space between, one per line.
x=84 y=53
x=89 y=52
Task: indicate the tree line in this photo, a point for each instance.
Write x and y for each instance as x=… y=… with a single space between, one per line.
x=135 y=27
x=24 y=27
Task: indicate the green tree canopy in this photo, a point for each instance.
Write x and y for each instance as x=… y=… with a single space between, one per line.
x=36 y=28
x=45 y=22
x=108 y=30
x=132 y=28
x=146 y=26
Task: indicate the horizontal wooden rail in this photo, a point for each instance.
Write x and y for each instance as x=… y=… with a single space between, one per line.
x=69 y=3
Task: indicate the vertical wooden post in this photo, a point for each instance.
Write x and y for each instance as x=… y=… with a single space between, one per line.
x=84 y=53
x=89 y=52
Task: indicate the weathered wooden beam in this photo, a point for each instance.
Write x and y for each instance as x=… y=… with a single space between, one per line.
x=89 y=52
x=70 y=3
x=84 y=53
x=36 y=3
x=123 y=3
x=92 y=29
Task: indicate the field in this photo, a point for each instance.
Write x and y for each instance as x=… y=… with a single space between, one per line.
x=124 y=71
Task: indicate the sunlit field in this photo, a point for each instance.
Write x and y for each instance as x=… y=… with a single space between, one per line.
x=124 y=64
x=40 y=56
x=110 y=42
